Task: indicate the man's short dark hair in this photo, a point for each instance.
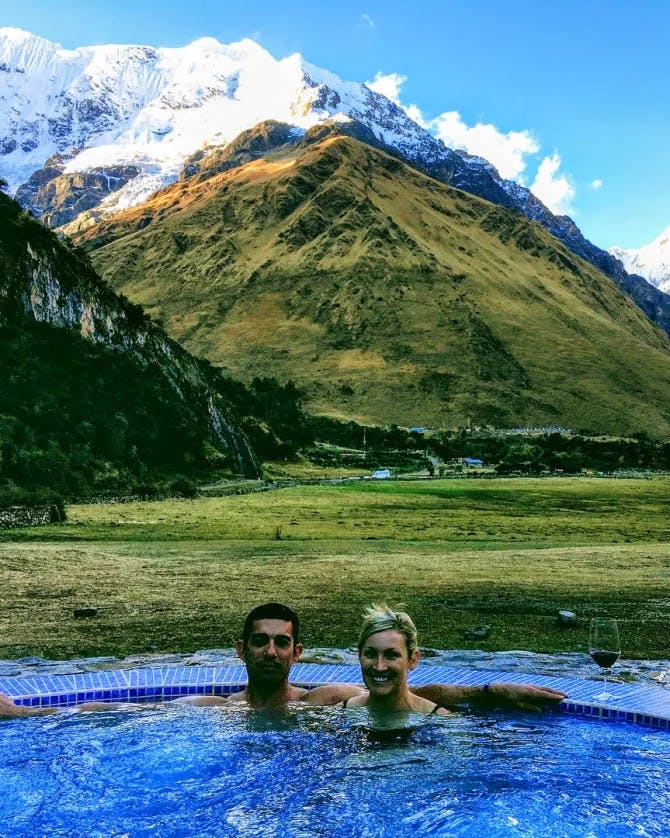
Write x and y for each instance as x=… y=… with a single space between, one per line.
x=271 y=611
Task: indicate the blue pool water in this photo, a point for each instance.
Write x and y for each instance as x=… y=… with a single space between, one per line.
x=187 y=771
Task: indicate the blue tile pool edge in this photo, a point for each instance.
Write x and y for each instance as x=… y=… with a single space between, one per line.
x=634 y=703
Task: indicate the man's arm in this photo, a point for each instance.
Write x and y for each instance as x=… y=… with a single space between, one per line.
x=332 y=694
x=495 y=694
x=9 y=710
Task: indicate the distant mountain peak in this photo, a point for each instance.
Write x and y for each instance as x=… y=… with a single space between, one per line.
x=13 y=33
x=152 y=107
x=651 y=261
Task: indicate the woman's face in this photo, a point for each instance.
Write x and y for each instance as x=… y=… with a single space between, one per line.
x=385 y=662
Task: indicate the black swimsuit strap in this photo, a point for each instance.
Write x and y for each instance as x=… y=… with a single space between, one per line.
x=432 y=712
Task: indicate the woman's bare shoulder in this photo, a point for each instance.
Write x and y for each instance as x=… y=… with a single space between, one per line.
x=429 y=708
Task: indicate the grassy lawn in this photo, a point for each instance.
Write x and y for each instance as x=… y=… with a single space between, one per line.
x=180 y=575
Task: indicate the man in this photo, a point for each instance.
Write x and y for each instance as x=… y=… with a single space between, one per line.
x=270 y=645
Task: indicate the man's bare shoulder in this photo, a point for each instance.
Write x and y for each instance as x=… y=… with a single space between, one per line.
x=332 y=694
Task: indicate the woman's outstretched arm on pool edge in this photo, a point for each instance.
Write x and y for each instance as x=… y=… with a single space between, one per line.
x=496 y=694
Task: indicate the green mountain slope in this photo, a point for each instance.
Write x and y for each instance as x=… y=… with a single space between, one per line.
x=386 y=296
x=93 y=396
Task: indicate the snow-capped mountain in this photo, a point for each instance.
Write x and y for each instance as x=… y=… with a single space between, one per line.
x=106 y=126
x=85 y=133
x=138 y=112
x=651 y=261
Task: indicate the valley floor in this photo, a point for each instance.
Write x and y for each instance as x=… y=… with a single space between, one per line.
x=180 y=575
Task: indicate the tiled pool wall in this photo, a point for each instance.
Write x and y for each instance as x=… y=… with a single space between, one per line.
x=633 y=702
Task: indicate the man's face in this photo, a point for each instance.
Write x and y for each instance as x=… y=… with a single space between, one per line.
x=269 y=652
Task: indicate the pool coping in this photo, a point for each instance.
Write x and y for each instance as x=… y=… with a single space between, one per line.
x=633 y=702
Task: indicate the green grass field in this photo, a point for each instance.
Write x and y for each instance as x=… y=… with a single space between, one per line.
x=180 y=575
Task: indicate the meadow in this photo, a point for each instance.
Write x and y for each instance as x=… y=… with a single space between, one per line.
x=179 y=575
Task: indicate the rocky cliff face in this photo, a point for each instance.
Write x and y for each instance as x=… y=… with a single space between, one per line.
x=49 y=282
x=59 y=197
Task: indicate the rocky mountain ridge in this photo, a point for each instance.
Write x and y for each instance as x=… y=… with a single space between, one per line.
x=271 y=136
x=92 y=131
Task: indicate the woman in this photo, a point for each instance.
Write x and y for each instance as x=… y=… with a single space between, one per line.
x=388 y=651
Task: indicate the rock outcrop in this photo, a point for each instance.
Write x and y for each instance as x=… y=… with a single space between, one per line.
x=59 y=197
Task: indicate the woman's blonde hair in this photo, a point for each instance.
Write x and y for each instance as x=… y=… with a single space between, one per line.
x=381 y=617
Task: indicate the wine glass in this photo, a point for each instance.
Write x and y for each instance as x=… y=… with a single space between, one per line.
x=604 y=648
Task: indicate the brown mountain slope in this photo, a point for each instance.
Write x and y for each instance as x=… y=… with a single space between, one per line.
x=387 y=296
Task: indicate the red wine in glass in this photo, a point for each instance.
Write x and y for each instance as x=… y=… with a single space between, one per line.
x=604 y=648
x=604 y=659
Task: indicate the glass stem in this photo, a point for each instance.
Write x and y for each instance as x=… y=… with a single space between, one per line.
x=604 y=681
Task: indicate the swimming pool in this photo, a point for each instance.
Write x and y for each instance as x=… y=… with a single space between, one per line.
x=634 y=701
x=188 y=771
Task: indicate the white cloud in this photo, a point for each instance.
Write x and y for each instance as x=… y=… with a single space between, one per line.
x=414 y=113
x=368 y=20
x=596 y=184
x=388 y=84
x=552 y=188
x=507 y=152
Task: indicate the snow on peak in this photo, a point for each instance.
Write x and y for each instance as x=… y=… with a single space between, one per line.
x=152 y=107
x=651 y=261
x=22 y=52
x=11 y=34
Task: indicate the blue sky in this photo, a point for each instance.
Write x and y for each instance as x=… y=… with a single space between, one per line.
x=570 y=98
